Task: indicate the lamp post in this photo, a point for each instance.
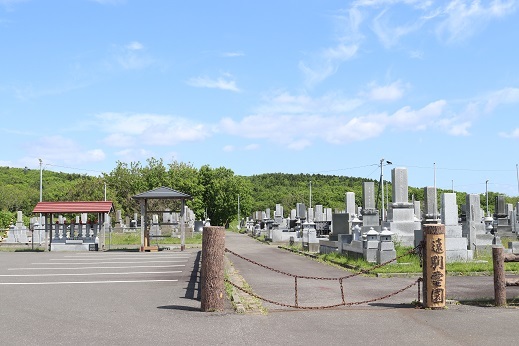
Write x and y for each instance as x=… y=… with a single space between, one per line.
x=310 y=194
x=382 y=185
x=486 y=195
x=41 y=179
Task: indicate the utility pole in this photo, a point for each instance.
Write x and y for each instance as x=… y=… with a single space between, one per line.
x=239 y=220
x=41 y=179
x=382 y=187
x=517 y=169
x=486 y=194
x=310 y=194
x=435 y=192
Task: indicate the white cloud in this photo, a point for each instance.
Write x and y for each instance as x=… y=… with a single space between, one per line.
x=457 y=129
x=249 y=147
x=58 y=149
x=390 y=92
x=110 y=2
x=500 y=97
x=124 y=130
x=390 y=34
x=452 y=21
x=134 y=46
x=119 y=140
x=326 y=63
x=330 y=103
x=416 y=54
x=232 y=54
x=407 y=118
x=8 y=4
x=356 y=129
x=133 y=56
x=299 y=144
x=512 y=134
x=297 y=121
x=224 y=83
x=252 y=146
x=465 y=18
x=229 y=148
x=133 y=155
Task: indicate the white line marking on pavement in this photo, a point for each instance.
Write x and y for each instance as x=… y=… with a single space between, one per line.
x=83 y=282
x=75 y=268
x=108 y=262
x=85 y=274
x=90 y=258
x=110 y=258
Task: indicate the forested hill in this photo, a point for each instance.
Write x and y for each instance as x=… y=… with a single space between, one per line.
x=20 y=188
x=288 y=189
x=215 y=191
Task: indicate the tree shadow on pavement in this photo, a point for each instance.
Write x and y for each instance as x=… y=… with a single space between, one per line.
x=193 y=290
x=179 y=307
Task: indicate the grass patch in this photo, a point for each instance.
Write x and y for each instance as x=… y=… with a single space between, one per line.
x=514 y=302
x=135 y=239
x=29 y=250
x=410 y=263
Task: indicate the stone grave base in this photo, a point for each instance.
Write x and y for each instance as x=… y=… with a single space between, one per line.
x=70 y=247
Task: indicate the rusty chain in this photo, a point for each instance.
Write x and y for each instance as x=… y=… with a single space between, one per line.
x=343 y=303
x=340 y=279
x=363 y=271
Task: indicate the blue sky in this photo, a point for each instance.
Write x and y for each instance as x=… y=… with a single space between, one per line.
x=284 y=86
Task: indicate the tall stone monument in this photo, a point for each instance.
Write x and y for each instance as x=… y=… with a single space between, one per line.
x=369 y=211
x=455 y=245
x=473 y=227
x=401 y=220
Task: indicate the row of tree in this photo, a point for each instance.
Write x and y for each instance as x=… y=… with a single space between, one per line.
x=215 y=191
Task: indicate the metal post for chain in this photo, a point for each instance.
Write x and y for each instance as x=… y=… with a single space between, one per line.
x=434 y=266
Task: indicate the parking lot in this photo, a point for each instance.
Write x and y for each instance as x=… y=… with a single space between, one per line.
x=74 y=298
x=129 y=298
x=91 y=268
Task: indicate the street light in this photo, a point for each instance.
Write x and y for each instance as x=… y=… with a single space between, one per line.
x=486 y=194
x=41 y=179
x=382 y=184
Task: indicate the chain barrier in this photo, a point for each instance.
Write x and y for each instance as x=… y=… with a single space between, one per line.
x=340 y=279
x=363 y=271
x=343 y=303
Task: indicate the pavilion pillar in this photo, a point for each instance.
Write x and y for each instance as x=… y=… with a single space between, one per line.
x=143 y=226
x=183 y=226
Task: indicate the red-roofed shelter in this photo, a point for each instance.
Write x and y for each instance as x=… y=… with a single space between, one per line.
x=76 y=235
x=73 y=207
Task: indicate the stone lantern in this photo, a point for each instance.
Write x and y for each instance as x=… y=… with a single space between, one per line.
x=372 y=235
x=371 y=245
x=386 y=247
x=386 y=235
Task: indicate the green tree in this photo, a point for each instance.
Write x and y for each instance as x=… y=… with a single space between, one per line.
x=220 y=195
x=183 y=177
x=126 y=180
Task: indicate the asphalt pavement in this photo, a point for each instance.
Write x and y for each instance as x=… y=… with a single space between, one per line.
x=135 y=298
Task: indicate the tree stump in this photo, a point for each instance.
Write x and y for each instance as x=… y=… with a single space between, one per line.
x=212 y=271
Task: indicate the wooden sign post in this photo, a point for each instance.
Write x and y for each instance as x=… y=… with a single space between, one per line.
x=434 y=266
